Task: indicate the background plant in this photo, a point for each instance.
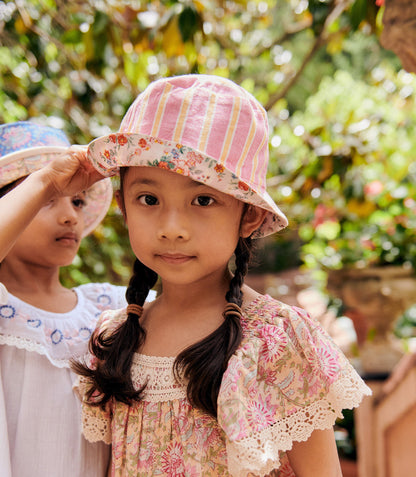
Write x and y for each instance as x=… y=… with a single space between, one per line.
x=346 y=171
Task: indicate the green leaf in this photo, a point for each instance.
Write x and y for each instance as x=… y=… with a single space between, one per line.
x=188 y=22
x=358 y=13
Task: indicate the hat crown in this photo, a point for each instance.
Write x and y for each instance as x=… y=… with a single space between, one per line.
x=210 y=114
x=23 y=135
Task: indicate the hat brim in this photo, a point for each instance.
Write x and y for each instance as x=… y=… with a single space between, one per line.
x=108 y=153
x=22 y=163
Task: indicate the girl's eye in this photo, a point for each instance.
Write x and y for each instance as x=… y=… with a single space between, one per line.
x=203 y=200
x=78 y=202
x=148 y=199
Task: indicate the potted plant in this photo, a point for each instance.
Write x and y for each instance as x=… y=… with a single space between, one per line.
x=345 y=173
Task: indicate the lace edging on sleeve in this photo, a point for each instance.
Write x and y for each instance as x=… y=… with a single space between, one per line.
x=258 y=453
x=96 y=422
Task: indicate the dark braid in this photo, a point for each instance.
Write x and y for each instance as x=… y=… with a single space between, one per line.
x=242 y=259
x=114 y=351
x=204 y=363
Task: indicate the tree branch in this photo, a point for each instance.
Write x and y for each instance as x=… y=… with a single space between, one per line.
x=338 y=7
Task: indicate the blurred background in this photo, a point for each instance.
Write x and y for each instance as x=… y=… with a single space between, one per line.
x=342 y=142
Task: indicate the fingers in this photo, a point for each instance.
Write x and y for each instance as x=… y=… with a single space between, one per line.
x=80 y=154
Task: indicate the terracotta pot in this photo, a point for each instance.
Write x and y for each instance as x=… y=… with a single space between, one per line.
x=374 y=299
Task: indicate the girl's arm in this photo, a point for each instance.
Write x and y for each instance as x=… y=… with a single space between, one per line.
x=67 y=175
x=316 y=457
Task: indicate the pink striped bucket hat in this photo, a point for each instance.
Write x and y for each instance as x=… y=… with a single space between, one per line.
x=26 y=147
x=202 y=126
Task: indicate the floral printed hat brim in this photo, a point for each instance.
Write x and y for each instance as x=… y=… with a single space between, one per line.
x=111 y=152
x=22 y=163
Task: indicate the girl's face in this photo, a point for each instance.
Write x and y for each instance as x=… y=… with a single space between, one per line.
x=183 y=230
x=53 y=237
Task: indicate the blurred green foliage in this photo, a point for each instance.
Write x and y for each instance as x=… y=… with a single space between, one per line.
x=349 y=173
x=78 y=65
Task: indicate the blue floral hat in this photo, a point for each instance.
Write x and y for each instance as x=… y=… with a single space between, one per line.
x=26 y=147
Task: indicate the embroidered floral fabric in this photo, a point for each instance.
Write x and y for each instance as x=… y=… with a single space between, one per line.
x=59 y=336
x=286 y=379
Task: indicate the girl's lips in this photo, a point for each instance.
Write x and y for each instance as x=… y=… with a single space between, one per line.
x=175 y=258
x=67 y=239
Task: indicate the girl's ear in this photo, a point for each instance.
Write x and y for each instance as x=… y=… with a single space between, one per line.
x=120 y=203
x=252 y=219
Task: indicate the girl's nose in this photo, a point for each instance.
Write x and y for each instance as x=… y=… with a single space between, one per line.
x=173 y=226
x=67 y=213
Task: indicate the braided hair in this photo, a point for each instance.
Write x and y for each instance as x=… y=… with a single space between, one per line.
x=204 y=363
x=114 y=352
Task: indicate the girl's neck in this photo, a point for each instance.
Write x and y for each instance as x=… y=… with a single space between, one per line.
x=196 y=295
x=38 y=286
x=182 y=316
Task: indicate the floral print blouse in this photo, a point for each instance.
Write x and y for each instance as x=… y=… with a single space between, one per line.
x=286 y=379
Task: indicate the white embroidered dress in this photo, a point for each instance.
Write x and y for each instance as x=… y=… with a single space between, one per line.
x=40 y=427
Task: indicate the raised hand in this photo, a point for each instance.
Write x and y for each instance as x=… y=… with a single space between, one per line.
x=70 y=173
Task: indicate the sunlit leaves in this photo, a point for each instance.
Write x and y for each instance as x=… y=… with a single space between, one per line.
x=80 y=64
x=351 y=191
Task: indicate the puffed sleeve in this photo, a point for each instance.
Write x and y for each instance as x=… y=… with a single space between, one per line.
x=287 y=379
x=96 y=420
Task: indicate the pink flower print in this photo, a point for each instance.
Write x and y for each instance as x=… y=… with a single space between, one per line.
x=137 y=153
x=261 y=413
x=189 y=163
x=240 y=430
x=243 y=186
x=205 y=437
x=118 y=452
x=163 y=165
x=269 y=376
x=326 y=362
x=143 y=144
x=275 y=342
x=183 y=424
x=172 y=460
x=122 y=140
x=213 y=437
x=194 y=158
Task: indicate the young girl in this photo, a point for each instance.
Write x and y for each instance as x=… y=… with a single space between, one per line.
x=43 y=324
x=211 y=378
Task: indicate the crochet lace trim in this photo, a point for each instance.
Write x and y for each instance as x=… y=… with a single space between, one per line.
x=156 y=373
x=29 y=345
x=259 y=453
x=95 y=429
